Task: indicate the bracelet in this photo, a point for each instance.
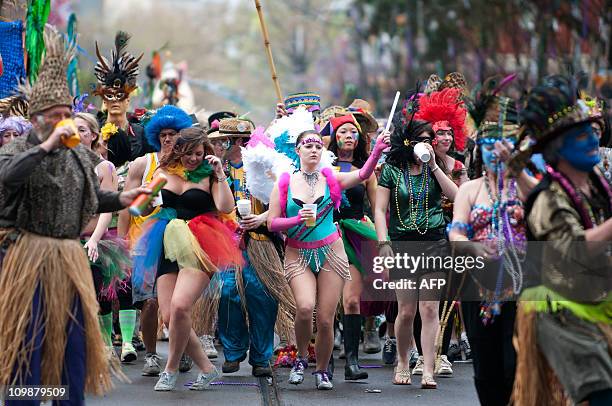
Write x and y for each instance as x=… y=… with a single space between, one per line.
x=381 y=243
x=435 y=169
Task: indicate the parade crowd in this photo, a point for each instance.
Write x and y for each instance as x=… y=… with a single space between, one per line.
x=261 y=238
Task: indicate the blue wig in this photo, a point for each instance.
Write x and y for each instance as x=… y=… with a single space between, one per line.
x=167 y=117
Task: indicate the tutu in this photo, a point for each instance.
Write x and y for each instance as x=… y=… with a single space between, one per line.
x=203 y=243
x=218 y=239
x=114 y=263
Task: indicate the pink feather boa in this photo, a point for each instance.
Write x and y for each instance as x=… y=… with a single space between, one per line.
x=259 y=137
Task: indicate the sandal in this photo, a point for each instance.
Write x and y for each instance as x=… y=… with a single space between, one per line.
x=401 y=377
x=427 y=382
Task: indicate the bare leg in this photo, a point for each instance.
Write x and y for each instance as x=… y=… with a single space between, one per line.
x=180 y=292
x=329 y=289
x=407 y=307
x=430 y=324
x=304 y=288
x=351 y=293
x=148 y=325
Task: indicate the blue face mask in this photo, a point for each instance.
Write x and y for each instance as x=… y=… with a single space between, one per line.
x=578 y=144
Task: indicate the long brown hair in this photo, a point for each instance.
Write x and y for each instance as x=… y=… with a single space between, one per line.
x=188 y=140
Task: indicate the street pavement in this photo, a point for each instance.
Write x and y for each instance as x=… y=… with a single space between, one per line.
x=242 y=389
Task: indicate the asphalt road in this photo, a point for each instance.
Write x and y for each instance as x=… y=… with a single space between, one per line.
x=242 y=389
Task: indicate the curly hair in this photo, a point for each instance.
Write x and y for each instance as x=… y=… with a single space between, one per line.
x=188 y=139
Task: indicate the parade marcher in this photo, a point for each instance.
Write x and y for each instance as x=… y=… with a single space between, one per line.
x=161 y=132
x=184 y=245
x=444 y=110
x=563 y=331
x=108 y=255
x=48 y=194
x=316 y=265
x=349 y=144
x=116 y=81
x=251 y=296
x=220 y=143
x=412 y=191
x=12 y=127
x=489 y=212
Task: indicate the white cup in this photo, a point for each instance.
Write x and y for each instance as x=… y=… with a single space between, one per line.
x=244 y=207
x=421 y=151
x=311 y=222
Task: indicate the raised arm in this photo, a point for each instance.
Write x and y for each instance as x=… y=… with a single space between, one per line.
x=353 y=178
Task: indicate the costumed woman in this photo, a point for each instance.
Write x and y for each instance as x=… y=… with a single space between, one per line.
x=445 y=111
x=563 y=329
x=489 y=212
x=161 y=132
x=12 y=127
x=412 y=192
x=255 y=298
x=108 y=255
x=316 y=265
x=358 y=233
x=48 y=194
x=184 y=245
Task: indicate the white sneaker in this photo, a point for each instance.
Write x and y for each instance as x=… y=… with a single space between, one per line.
x=128 y=352
x=166 y=382
x=203 y=380
x=208 y=346
x=443 y=367
x=418 y=368
x=151 y=366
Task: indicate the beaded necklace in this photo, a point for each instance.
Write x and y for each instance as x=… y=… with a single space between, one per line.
x=501 y=229
x=423 y=194
x=578 y=201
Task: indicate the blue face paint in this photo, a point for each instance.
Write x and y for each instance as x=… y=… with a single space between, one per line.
x=487 y=150
x=578 y=146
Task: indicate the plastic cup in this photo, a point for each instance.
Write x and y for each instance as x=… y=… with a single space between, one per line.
x=311 y=221
x=244 y=207
x=421 y=151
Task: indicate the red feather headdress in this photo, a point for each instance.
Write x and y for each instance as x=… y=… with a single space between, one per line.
x=442 y=109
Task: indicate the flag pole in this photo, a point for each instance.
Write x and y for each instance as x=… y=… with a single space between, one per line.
x=264 y=30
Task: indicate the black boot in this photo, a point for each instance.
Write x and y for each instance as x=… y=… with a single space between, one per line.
x=352 y=332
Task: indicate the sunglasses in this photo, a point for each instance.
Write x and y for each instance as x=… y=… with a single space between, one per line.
x=414 y=142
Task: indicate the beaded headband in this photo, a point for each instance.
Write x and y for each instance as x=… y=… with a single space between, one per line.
x=309 y=140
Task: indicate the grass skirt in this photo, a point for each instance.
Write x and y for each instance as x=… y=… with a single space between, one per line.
x=61 y=268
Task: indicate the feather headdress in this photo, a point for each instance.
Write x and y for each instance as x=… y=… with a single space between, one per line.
x=444 y=109
x=118 y=75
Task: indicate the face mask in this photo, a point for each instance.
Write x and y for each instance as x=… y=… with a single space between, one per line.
x=578 y=143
